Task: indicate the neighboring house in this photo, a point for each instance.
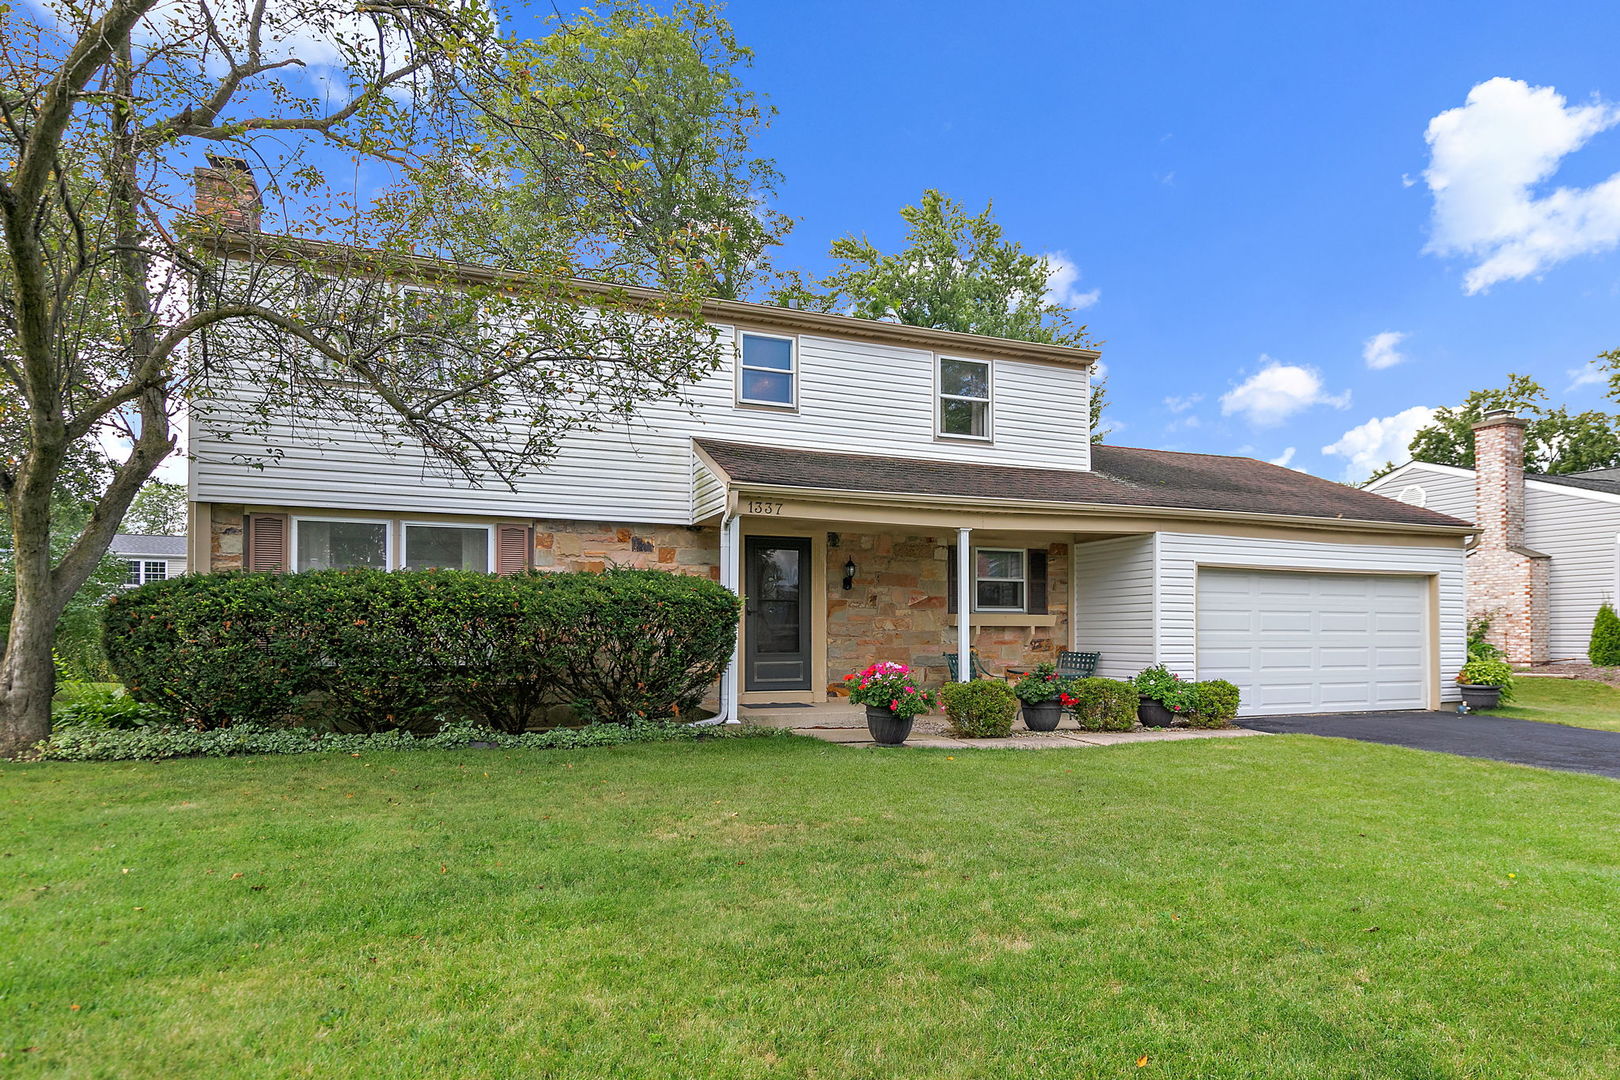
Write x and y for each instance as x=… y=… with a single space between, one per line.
x=1549 y=546
x=879 y=491
x=149 y=558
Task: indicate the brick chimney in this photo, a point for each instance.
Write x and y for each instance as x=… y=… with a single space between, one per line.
x=227 y=194
x=1507 y=581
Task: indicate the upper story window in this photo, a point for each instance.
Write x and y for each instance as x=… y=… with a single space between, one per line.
x=447 y=547
x=330 y=544
x=964 y=398
x=767 y=370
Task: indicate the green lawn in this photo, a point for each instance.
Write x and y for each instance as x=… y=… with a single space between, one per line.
x=1276 y=907
x=1576 y=702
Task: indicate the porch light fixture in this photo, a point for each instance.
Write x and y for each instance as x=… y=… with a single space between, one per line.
x=849 y=574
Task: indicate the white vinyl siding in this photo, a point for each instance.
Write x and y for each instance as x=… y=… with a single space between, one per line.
x=1182 y=554
x=1306 y=643
x=1113 y=604
x=1578 y=529
x=708 y=491
x=854 y=397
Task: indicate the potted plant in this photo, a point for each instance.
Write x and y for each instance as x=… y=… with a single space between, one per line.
x=892 y=698
x=1041 y=692
x=1485 y=683
x=1162 y=697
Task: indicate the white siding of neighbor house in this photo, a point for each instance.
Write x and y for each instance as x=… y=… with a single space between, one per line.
x=1181 y=554
x=1578 y=529
x=1113 y=603
x=855 y=397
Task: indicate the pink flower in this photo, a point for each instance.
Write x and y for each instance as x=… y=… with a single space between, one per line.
x=894 y=706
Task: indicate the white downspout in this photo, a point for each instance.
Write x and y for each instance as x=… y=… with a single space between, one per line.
x=731 y=578
x=964 y=605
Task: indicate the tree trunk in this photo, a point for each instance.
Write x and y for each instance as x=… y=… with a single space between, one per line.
x=27 y=681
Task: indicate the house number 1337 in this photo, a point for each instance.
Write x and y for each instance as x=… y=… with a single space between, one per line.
x=768 y=508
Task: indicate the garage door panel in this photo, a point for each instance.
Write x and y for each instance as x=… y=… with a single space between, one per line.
x=1313 y=642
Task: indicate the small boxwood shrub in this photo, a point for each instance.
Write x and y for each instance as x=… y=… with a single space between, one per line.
x=370 y=650
x=981 y=709
x=1215 y=704
x=1099 y=704
x=1605 y=647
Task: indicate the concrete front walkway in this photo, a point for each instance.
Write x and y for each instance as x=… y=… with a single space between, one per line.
x=838 y=722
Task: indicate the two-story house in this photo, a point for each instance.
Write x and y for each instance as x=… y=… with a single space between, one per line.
x=879 y=491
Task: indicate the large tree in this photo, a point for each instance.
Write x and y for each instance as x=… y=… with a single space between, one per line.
x=370 y=128
x=1556 y=440
x=956 y=271
x=661 y=98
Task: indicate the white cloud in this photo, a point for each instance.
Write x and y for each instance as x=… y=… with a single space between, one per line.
x=1284 y=458
x=1379 y=441
x=1589 y=375
x=1062 y=280
x=1182 y=404
x=1380 y=352
x=1485 y=159
x=1278 y=391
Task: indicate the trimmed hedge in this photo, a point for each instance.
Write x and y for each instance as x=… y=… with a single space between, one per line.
x=981 y=709
x=1102 y=704
x=79 y=742
x=1215 y=704
x=374 y=650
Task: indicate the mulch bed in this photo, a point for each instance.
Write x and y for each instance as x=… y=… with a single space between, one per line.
x=1610 y=675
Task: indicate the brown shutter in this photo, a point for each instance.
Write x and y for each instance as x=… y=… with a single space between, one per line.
x=264 y=543
x=951 y=590
x=1035 y=582
x=512 y=546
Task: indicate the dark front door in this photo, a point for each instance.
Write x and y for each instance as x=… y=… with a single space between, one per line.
x=777 y=628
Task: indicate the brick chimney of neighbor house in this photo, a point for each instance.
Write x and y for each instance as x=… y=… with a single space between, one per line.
x=228 y=193
x=1507 y=581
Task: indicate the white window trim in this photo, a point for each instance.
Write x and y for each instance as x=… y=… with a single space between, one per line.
x=405 y=539
x=146 y=570
x=793 y=352
x=1022 y=579
x=389 y=556
x=989 y=399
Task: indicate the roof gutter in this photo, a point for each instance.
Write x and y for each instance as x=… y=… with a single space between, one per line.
x=1032 y=506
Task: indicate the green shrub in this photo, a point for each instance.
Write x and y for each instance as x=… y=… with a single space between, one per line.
x=1605 y=648
x=1215 y=703
x=1102 y=704
x=84 y=743
x=1488 y=673
x=1478 y=647
x=370 y=650
x=981 y=709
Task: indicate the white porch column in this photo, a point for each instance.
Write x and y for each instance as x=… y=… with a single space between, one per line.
x=964 y=605
x=731 y=578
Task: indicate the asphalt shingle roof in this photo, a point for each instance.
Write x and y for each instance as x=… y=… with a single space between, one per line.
x=1120 y=476
x=137 y=544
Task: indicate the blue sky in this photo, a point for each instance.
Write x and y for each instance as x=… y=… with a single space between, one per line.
x=1242 y=184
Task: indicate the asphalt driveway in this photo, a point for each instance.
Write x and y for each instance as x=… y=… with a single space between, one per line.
x=1524 y=742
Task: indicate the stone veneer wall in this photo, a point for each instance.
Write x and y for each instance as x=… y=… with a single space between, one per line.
x=558 y=545
x=897 y=608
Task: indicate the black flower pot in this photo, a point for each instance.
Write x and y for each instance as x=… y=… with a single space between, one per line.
x=1152 y=714
x=1043 y=715
x=887 y=729
x=1480 y=697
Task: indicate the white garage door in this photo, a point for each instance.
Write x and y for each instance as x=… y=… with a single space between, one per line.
x=1303 y=643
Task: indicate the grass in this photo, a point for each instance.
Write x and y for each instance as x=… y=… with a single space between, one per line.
x=1575 y=702
x=1279 y=907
